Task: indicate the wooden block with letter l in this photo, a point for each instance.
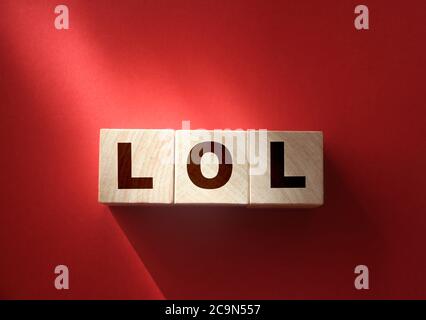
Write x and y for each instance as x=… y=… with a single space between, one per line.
x=286 y=168
x=211 y=167
x=136 y=166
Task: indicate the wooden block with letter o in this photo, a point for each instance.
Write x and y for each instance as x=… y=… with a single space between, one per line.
x=136 y=166
x=286 y=168
x=211 y=167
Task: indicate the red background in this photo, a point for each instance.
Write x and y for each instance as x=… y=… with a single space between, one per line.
x=283 y=65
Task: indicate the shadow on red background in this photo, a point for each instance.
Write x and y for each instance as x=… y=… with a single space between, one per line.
x=227 y=252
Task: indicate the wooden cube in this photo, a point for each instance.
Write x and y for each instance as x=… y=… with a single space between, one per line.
x=136 y=166
x=211 y=167
x=287 y=168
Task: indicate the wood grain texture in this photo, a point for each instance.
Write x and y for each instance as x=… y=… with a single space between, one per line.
x=234 y=191
x=303 y=155
x=152 y=155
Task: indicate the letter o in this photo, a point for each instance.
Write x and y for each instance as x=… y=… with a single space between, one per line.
x=194 y=165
